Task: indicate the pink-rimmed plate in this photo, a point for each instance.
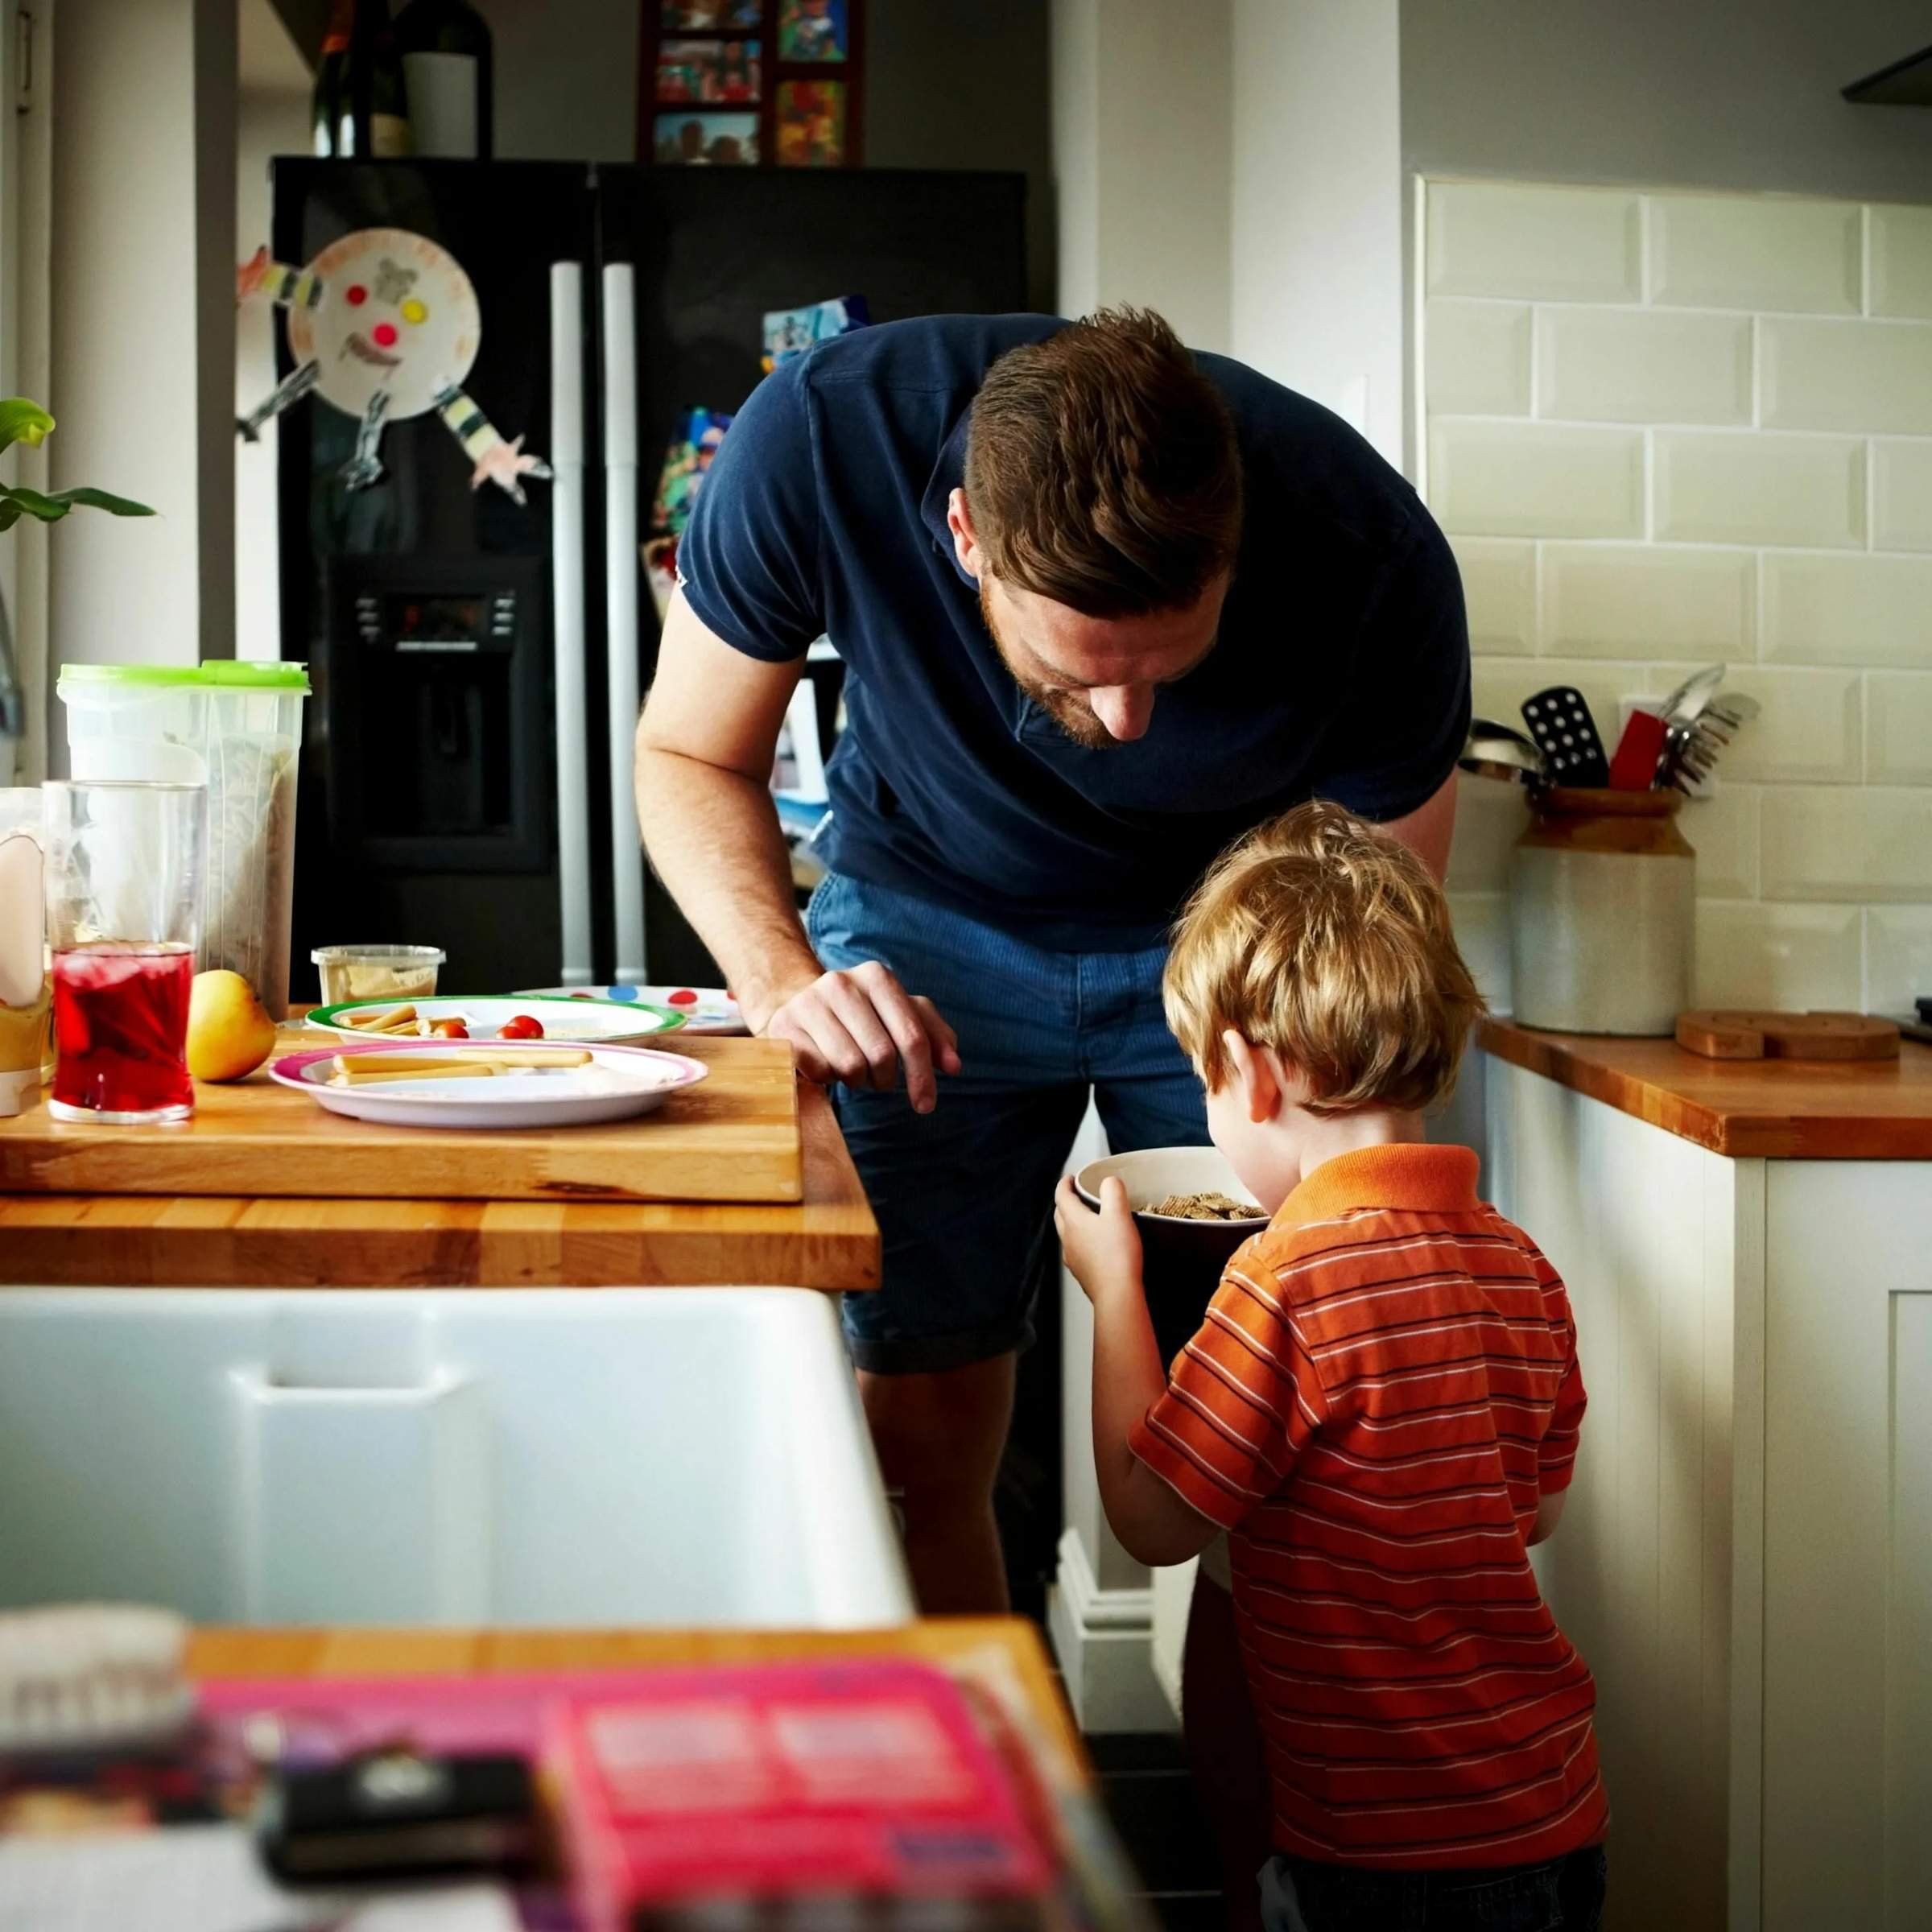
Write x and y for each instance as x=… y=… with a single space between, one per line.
x=618 y=1084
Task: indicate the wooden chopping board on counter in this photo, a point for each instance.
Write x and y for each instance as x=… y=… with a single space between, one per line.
x=1739 y=1035
x=732 y=1137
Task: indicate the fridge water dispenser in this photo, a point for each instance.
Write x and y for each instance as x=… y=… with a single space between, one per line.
x=438 y=714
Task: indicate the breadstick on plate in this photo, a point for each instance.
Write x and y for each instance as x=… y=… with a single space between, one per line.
x=368 y=1074
x=525 y=1056
x=379 y=1018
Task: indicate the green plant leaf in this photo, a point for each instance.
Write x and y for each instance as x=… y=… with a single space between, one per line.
x=22 y=421
x=50 y=507
x=99 y=499
x=10 y=514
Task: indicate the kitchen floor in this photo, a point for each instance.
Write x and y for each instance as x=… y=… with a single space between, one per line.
x=1150 y=1798
x=1143 y=1777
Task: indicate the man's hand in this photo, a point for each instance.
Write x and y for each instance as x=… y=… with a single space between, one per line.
x=1103 y=1250
x=861 y=1026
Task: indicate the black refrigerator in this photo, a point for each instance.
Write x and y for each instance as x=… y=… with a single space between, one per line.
x=477 y=663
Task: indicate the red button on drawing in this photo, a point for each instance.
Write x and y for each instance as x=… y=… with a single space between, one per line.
x=384 y=334
x=684 y=997
x=357 y=295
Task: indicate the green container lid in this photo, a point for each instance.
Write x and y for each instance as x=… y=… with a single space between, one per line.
x=223 y=674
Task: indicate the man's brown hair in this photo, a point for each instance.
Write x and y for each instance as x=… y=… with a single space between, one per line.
x=1326 y=939
x=1101 y=469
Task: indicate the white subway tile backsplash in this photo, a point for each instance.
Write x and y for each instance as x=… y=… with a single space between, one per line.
x=1727 y=455
x=1901 y=261
x=1846 y=610
x=1635 y=600
x=1901 y=495
x=1531 y=480
x=1900 y=710
x=1560 y=243
x=1850 y=844
x=1642 y=365
x=1870 y=376
x=1780 y=956
x=1898 y=958
x=1809 y=731
x=1499 y=685
x=1732 y=487
x=1723 y=829
x=1477 y=360
x=1738 y=251
x=1499 y=588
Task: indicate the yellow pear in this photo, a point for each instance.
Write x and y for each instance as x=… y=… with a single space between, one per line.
x=228 y=1035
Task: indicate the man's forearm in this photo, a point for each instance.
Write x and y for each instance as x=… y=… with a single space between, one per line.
x=714 y=838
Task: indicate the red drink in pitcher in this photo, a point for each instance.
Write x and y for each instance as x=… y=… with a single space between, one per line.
x=121 y=1033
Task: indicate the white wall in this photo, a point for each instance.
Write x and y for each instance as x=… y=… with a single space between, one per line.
x=1141 y=158
x=1316 y=226
x=1242 y=174
x=26 y=169
x=966 y=87
x=566 y=78
x=142 y=358
x=271 y=118
x=1712 y=93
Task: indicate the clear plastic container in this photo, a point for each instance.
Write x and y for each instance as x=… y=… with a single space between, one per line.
x=377 y=972
x=237 y=727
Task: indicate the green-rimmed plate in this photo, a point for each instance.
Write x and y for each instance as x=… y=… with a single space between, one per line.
x=582 y=1022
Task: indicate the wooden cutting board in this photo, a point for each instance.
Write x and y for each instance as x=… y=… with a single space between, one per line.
x=1723 y=1034
x=732 y=1137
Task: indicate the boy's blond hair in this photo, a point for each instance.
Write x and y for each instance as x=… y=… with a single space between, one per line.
x=1327 y=940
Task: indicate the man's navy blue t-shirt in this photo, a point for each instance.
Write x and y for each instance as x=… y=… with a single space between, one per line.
x=1342 y=669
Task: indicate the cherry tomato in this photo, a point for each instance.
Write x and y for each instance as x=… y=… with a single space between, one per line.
x=448 y=1030
x=523 y=1027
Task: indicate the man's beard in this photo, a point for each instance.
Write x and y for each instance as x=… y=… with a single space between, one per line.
x=1068 y=708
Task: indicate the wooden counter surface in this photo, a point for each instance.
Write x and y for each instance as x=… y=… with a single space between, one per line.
x=1878 y=1110
x=829 y=1240
x=218 y=1653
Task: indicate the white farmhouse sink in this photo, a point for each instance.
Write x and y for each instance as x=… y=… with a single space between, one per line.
x=650 y=1456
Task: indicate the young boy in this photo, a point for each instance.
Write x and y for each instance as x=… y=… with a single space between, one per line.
x=1381 y=1409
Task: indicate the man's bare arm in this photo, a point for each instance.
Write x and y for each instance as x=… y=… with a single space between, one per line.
x=1428 y=830
x=705 y=749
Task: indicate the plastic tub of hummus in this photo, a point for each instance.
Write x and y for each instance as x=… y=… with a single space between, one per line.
x=377 y=972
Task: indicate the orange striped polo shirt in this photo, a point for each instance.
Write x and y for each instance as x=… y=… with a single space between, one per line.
x=1386 y=1383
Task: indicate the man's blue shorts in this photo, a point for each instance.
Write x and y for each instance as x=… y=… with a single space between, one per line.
x=964 y=1195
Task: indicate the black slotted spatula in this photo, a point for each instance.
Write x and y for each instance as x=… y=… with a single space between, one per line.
x=1566 y=734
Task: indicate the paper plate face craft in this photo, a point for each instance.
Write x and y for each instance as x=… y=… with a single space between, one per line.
x=384 y=324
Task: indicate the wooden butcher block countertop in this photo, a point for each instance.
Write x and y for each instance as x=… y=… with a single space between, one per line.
x=1875 y=1110
x=827 y=1239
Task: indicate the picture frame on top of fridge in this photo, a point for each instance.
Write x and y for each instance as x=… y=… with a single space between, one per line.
x=814 y=30
x=708 y=74
x=709 y=16
x=751 y=83
x=688 y=139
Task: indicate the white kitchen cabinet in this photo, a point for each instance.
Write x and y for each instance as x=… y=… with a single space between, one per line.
x=1746 y=1562
x=611 y=1456
x=1847 y=1603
